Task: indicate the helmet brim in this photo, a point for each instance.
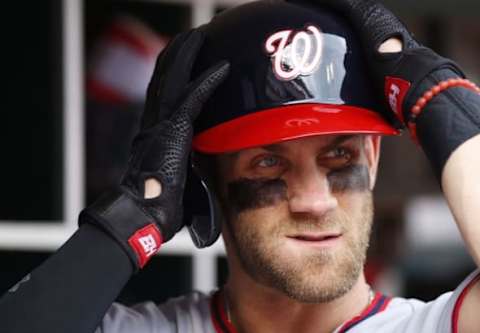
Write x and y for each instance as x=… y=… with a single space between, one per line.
x=290 y=122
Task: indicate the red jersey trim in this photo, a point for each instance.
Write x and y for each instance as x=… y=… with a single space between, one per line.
x=379 y=303
x=219 y=317
x=223 y=325
x=459 y=302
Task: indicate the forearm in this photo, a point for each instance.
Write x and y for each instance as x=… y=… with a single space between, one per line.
x=460 y=182
x=448 y=130
x=72 y=290
x=461 y=186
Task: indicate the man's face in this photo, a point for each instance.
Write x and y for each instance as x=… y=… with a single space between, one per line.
x=299 y=213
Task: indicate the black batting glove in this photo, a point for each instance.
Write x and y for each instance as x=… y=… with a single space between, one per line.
x=450 y=118
x=160 y=151
x=396 y=75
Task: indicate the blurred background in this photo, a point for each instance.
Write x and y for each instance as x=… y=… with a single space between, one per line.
x=76 y=75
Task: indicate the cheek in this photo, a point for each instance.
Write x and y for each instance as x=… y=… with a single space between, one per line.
x=245 y=194
x=352 y=178
x=357 y=211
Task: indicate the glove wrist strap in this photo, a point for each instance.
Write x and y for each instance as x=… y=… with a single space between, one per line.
x=118 y=215
x=430 y=94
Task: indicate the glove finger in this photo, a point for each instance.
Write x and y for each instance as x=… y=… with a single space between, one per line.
x=172 y=50
x=166 y=56
x=374 y=22
x=178 y=74
x=377 y=22
x=202 y=88
x=190 y=50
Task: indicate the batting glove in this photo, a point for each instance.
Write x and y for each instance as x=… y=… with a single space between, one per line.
x=160 y=151
x=404 y=77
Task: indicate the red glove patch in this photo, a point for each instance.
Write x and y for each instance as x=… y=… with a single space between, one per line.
x=395 y=91
x=146 y=242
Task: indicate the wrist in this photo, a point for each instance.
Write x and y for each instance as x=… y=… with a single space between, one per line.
x=118 y=215
x=447 y=120
x=435 y=90
x=409 y=76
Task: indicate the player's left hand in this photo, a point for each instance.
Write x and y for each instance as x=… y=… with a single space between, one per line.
x=413 y=79
x=397 y=74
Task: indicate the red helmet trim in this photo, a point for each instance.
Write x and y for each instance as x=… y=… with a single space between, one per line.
x=287 y=123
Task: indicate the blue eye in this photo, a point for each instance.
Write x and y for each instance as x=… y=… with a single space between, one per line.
x=268 y=162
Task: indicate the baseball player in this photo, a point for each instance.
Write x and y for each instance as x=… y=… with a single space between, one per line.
x=287 y=144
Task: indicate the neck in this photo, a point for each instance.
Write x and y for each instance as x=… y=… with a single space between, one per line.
x=254 y=307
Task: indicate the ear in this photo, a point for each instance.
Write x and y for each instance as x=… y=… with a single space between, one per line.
x=372 y=152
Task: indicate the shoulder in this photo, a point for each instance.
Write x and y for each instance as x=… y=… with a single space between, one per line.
x=186 y=313
x=413 y=315
x=194 y=307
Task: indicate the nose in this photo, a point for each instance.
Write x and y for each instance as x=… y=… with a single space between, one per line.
x=309 y=192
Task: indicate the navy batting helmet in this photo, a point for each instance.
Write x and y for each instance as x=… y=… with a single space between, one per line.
x=295 y=71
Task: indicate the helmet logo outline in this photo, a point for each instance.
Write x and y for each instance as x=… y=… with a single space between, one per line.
x=301 y=56
x=301 y=122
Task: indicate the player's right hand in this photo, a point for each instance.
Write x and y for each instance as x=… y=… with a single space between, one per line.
x=140 y=222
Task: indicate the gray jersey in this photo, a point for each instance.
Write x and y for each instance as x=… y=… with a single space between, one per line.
x=201 y=313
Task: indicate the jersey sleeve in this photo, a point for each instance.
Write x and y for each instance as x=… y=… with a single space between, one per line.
x=141 y=318
x=412 y=315
x=449 y=318
x=186 y=314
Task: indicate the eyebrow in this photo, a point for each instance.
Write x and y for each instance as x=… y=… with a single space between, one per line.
x=278 y=147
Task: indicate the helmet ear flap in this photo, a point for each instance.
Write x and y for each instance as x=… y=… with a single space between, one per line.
x=202 y=209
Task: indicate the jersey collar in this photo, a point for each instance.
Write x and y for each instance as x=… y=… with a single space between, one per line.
x=223 y=325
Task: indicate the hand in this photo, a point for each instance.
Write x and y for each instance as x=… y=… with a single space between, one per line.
x=399 y=64
x=405 y=71
x=140 y=221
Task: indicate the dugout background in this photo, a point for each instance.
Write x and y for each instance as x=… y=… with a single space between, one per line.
x=61 y=147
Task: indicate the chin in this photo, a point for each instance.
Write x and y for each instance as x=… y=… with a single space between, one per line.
x=317 y=282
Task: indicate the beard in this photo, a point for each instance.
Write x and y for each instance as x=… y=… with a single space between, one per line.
x=311 y=275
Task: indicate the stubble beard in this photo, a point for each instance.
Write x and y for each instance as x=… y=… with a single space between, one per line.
x=321 y=275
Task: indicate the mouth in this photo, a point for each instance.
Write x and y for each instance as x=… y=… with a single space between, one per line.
x=316 y=239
